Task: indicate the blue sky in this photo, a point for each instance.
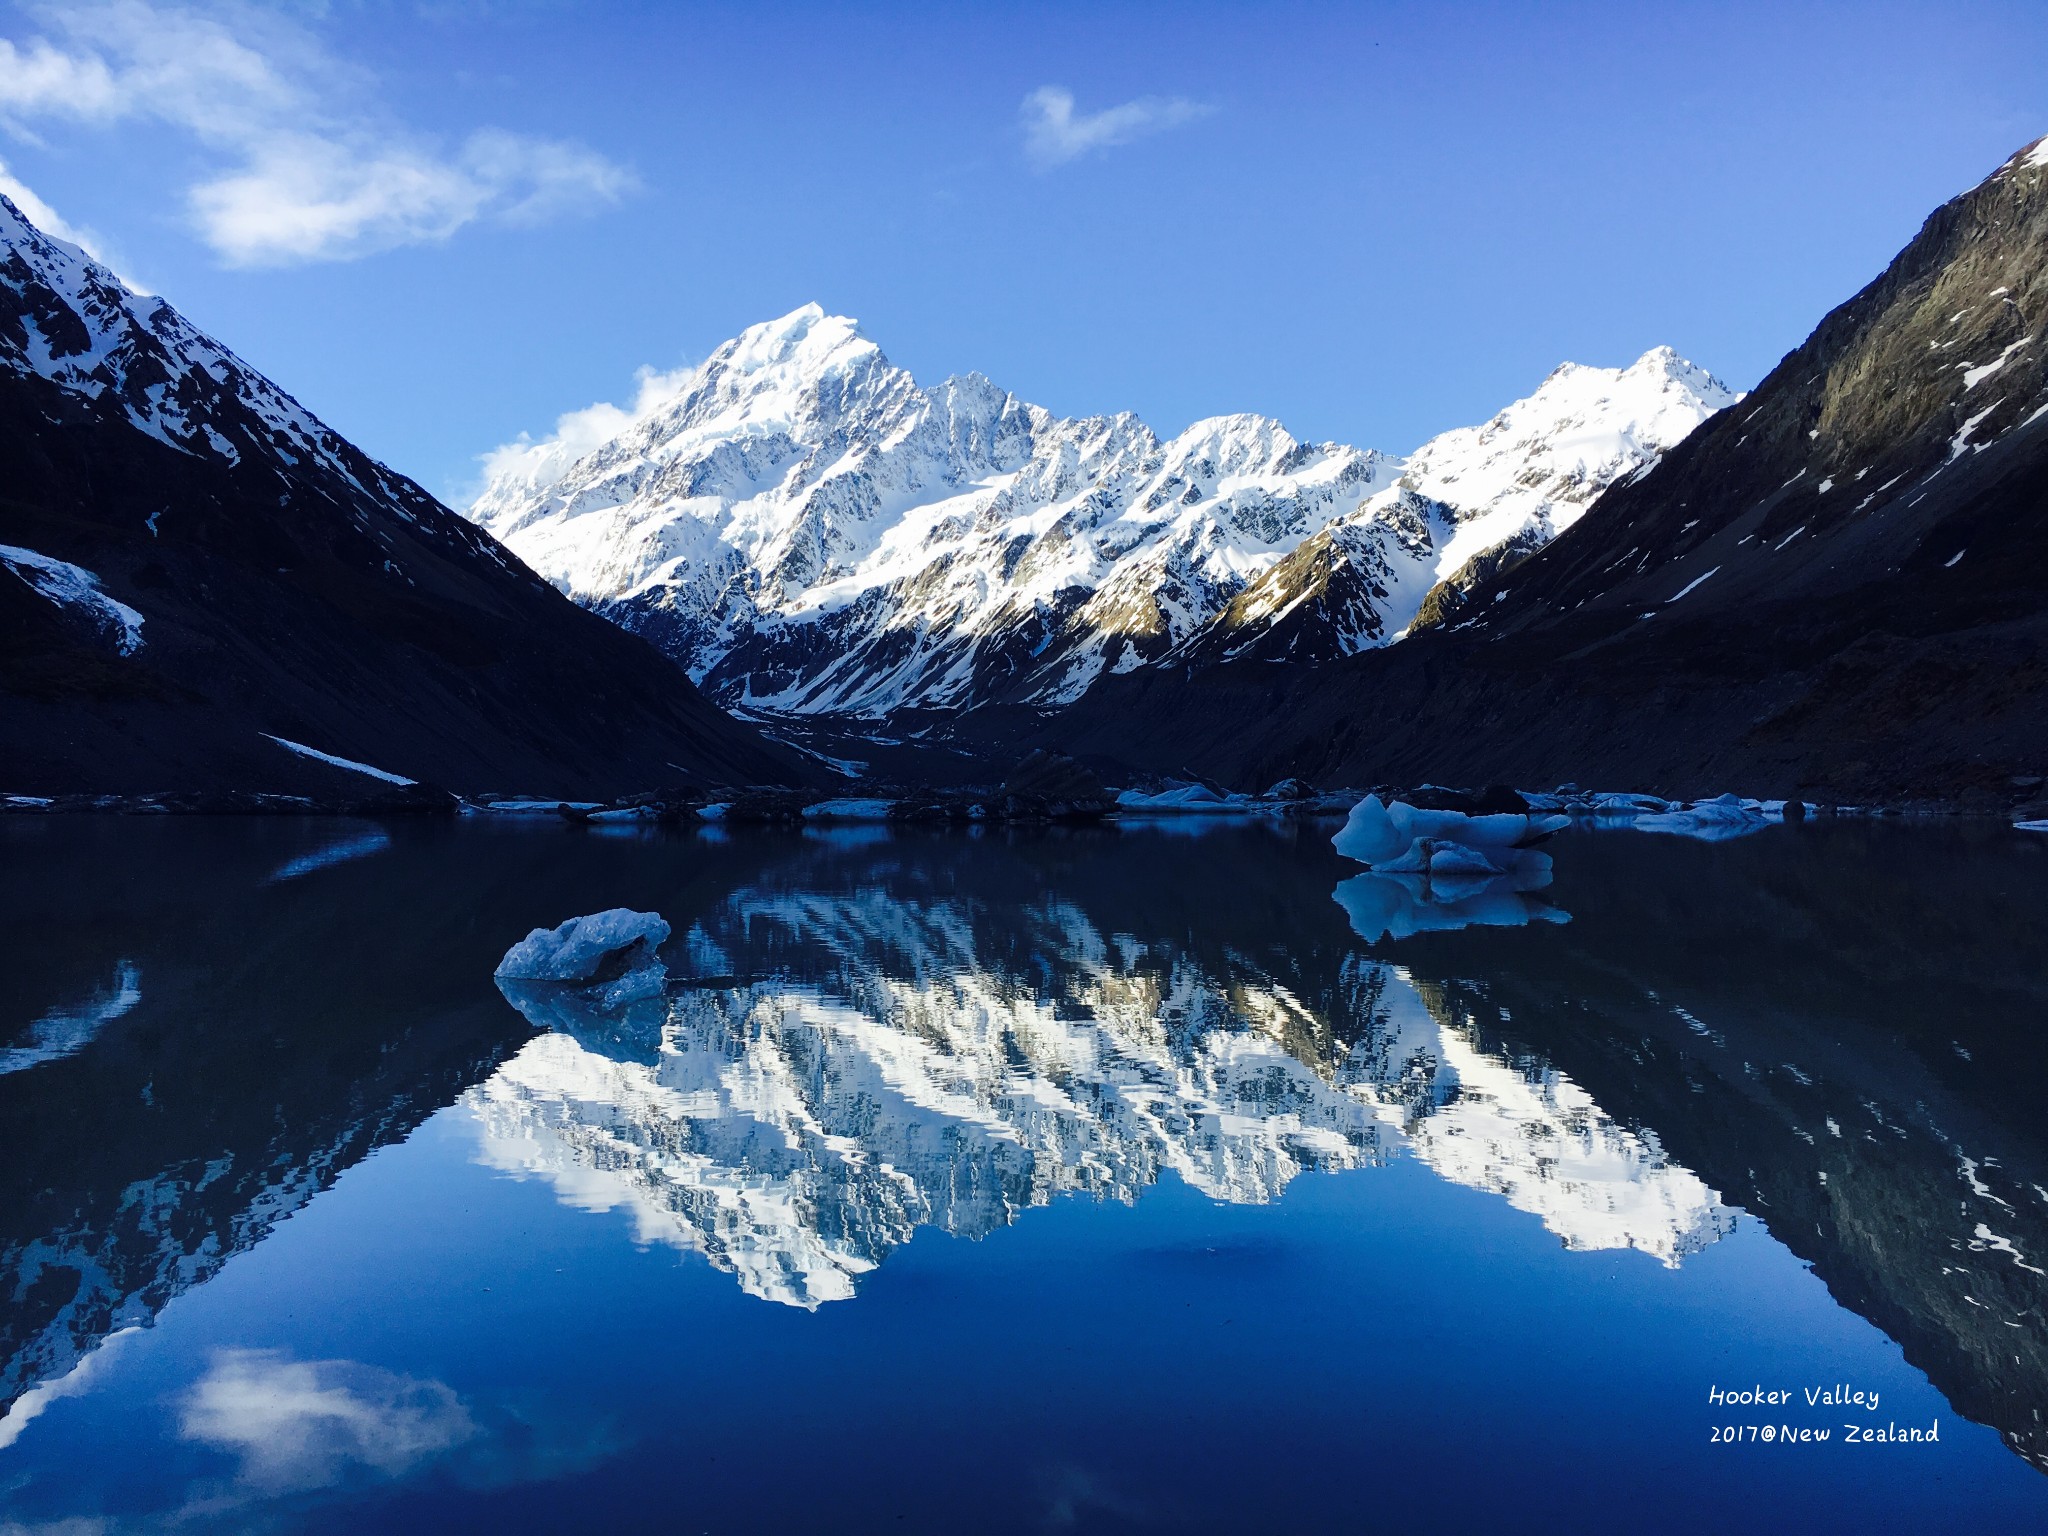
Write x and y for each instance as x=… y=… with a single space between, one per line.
x=444 y=224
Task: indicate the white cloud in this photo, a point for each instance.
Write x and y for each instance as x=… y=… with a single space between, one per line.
x=309 y=171
x=299 y=1424
x=1053 y=134
x=537 y=464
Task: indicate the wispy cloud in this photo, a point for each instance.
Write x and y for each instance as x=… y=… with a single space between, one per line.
x=308 y=168
x=1054 y=134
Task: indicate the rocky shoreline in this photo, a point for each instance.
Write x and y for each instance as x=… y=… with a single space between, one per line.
x=921 y=806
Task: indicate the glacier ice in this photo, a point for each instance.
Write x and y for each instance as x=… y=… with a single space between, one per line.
x=1434 y=870
x=849 y=810
x=1183 y=797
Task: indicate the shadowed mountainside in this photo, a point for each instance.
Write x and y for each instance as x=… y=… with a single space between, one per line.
x=191 y=564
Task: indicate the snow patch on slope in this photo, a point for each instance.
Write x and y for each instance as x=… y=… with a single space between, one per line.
x=74 y=587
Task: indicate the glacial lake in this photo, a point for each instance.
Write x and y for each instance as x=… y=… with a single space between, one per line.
x=1098 y=1180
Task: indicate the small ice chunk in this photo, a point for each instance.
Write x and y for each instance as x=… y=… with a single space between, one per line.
x=1714 y=820
x=849 y=810
x=599 y=947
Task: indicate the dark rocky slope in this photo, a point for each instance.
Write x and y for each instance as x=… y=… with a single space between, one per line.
x=1838 y=586
x=286 y=584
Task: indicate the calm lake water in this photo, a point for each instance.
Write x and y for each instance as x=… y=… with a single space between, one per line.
x=1104 y=1180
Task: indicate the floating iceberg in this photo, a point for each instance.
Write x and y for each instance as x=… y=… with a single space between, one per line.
x=1389 y=836
x=1713 y=820
x=594 y=977
x=849 y=810
x=530 y=807
x=1183 y=798
x=601 y=947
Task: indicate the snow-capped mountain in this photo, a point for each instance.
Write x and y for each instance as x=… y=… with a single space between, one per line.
x=808 y=529
x=1471 y=500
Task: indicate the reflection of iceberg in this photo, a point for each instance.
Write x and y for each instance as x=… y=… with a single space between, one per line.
x=795 y=1131
x=66 y=1031
x=1399 y=906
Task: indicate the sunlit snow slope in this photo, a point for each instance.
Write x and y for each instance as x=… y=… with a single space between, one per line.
x=808 y=529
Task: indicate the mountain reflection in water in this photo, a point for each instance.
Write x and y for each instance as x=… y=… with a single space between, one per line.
x=1835 y=1030
x=921 y=1058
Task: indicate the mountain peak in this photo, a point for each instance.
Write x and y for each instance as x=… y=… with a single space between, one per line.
x=2032 y=157
x=807 y=529
x=807 y=337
